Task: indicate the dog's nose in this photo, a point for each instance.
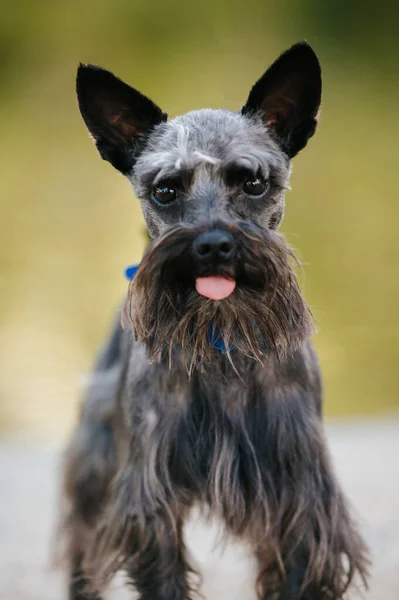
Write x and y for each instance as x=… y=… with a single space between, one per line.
x=214 y=246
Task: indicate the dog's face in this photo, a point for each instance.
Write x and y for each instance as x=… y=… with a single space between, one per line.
x=211 y=184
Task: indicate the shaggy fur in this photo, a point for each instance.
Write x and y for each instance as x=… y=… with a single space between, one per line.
x=169 y=421
x=266 y=313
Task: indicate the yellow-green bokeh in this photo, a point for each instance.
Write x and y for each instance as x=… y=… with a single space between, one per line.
x=69 y=222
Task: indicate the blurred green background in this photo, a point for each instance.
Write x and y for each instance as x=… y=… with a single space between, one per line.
x=69 y=223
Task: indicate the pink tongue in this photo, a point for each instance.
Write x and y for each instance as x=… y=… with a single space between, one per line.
x=215 y=288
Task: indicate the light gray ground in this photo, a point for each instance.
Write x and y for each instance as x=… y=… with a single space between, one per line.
x=366 y=455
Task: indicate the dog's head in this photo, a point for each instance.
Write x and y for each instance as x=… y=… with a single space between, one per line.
x=211 y=184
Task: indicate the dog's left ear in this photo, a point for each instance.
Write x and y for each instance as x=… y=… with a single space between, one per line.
x=117 y=116
x=288 y=98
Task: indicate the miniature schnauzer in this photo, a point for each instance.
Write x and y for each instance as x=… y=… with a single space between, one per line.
x=206 y=401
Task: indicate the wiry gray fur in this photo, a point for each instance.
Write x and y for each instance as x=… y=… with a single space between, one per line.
x=206 y=142
x=171 y=422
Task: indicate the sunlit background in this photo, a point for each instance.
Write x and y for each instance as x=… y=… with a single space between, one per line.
x=69 y=223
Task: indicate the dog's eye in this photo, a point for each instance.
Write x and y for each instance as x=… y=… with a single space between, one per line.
x=255 y=187
x=164 y=194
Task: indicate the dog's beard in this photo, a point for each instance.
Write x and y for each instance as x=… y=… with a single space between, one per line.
x=266 y=312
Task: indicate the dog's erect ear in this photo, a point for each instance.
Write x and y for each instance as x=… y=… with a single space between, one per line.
x=288 y=97
x=117 y=116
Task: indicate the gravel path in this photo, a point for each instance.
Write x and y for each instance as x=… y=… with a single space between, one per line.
x=366 y=455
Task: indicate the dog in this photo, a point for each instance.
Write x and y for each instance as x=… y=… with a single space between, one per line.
x=208 y=400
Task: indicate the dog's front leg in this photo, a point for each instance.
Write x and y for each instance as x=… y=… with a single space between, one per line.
x=291 y=585
x=159 y=570
x=296 y=575
x=313 y=547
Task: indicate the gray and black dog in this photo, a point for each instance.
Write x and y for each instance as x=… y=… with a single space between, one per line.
x=207 y=401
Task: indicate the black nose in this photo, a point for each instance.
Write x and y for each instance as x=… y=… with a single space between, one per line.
x=214 y=246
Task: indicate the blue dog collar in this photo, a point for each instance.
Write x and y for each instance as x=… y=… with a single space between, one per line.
x=215 y=339
x=131 y=271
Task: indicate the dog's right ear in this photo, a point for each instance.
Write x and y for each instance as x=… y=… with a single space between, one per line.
x=117 y=116
x=287 y=97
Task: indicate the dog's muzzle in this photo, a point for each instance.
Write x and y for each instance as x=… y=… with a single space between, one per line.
x=211 y=250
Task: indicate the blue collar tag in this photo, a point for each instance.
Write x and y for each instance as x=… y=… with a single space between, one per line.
x=215 y=339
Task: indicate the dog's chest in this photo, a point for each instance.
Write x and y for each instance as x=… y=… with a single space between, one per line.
x=226 y=564
x=213 y=456
x=219 y=442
